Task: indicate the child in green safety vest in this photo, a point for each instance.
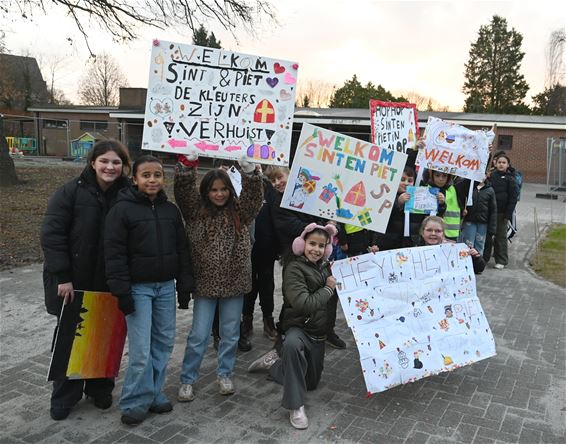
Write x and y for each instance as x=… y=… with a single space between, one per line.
x=451 y=201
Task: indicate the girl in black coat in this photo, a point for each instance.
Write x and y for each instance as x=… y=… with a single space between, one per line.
x=72 y=242
x=146 y=250
x=480 y=220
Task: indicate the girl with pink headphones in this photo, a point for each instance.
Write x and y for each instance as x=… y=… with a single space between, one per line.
x=308 y=284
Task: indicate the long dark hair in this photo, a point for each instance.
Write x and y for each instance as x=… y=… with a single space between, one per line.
x=103 y=146
x=208 y=208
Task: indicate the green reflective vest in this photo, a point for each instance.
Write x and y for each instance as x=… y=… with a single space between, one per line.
x=350 y=229
x=452 y=214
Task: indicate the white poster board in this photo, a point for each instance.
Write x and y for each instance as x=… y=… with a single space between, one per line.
x=338 y=177
x=219 y=103
x=394 y=125
x=454 y=149
x=414 y=313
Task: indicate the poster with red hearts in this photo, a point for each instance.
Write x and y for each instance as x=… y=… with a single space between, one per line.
x=220 y=104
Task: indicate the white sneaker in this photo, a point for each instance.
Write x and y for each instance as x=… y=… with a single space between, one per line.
x=226 y=385
x=499 y=266
x=186 y=393
x=264 y=362
x=299 y=418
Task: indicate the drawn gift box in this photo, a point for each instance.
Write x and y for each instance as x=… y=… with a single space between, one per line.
x=364 y=216
x=328 y=192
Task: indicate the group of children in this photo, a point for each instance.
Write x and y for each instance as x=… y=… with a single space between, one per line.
x=146 y=255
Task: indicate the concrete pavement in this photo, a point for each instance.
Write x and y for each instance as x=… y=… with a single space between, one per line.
x=517 y=396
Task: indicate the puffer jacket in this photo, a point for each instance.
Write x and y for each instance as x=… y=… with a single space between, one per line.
x=305 y=296
x=72 y=236
x=484 y=208
x=145 y=241
x=221 y=254
x=505 y=192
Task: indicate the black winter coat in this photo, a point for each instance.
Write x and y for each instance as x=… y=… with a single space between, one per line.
x=72 y=236
x=484 y=208
x=265 y=244
x=505 y=192
x=145 y=241
x=288 y=224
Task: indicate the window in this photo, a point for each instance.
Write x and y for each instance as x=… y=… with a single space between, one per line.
x=94 y=125
x=47 y=123
x=504 y=142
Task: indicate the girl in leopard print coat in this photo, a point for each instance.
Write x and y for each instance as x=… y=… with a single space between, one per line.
x=217 y=225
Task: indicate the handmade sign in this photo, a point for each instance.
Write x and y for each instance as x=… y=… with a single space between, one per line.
x=344 y=179
x=454 y=149
x=414 y=313
x=219 y=103
x=423 y=199
x=90 y=338
x=394 y=125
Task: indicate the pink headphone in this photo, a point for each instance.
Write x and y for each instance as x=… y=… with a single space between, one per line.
x=299 y=242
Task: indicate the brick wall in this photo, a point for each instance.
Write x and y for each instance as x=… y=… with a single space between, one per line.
x=528 y=152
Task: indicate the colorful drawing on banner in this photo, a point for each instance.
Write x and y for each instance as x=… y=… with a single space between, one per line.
x=394 y=125
x=414 y=313
x=423 y=199
x=454 y=149
x=90 y=338
x=359 y=180
x=221 y=103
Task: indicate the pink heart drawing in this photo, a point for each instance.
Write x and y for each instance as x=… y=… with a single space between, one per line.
x=289 y=79
x=284 y=95
x=278 y=68
x=272 y=81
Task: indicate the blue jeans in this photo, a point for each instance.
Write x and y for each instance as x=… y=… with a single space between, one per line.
x=230 y=310
x=151 y=336
x=474 y=234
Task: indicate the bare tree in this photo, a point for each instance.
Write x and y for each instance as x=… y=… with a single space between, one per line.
x=555 y=67
x=424 y=103
x=314 y=93
x=100 y=86
x=3 y=47
x=121 y=19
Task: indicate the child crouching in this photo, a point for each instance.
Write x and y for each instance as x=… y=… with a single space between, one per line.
x=308 y=285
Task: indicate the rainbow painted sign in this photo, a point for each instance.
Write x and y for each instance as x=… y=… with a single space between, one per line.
x=90 y=338
x=219 y=103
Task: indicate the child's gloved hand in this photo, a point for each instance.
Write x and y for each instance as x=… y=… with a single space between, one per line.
x=188 y=160
x=247 y=167
x=331 y=282
x=126 y=304
x=183 y=300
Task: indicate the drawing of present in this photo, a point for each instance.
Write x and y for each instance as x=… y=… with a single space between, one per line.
x=328 y=192
x=357 y=195
x=364 y=216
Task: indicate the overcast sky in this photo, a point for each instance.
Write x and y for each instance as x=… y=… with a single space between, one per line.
x=403 y=45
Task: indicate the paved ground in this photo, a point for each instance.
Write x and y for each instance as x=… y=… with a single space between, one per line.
x=517 y=396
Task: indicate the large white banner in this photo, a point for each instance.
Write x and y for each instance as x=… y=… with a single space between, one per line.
x=454 y=149
x=338 y=177
x=220 y=103
x=414 y=313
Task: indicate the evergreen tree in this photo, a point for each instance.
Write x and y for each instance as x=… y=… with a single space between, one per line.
x=551 y=102
x=354 y=95
x=493 y=81
x=201 y=37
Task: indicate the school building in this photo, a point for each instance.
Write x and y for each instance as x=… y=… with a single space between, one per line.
x=535 y=144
